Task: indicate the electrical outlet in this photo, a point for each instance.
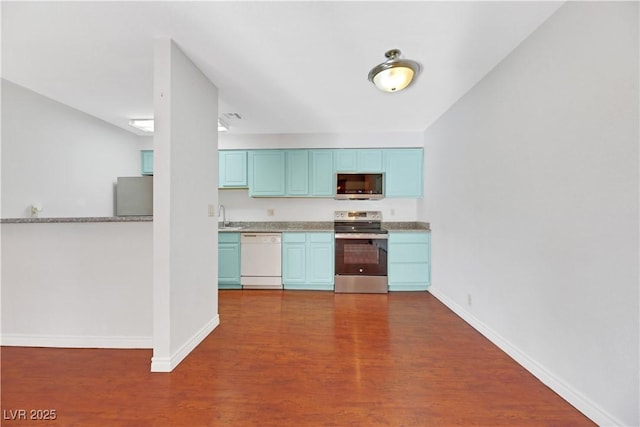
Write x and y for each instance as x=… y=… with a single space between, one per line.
x=392 y=211
x=270 y=212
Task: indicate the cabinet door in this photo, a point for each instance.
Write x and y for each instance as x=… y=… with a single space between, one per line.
x=322 y=176
x=266 y=173
x=358 y=160
x=346 y=160
x=146 y=162
x=232 y=169
x=369 y=160
x=403 y=172
x=293 y=264
x=229 y=266
x=297 y=173
x=320 y=264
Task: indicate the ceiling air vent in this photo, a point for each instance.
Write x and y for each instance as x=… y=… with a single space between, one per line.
x=232 y=116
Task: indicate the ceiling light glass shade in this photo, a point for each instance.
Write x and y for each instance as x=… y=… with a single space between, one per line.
x=394 y=74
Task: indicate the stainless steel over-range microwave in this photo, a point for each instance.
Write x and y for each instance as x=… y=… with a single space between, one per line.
x=359 y=186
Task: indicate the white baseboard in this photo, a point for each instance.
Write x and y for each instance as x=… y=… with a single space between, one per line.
x=168 y=364
x=70 y=341
x=568 y=393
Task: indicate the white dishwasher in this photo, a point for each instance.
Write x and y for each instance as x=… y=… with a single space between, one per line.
x=261 y=260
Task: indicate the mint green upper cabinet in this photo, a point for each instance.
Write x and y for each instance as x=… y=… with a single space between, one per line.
x=403 y=172
x=267 y=172
x=297 y=164
x=146 y=162
x=232 y=168
x=311 y=173
x=229 y=261
x=307 y=260
x=369 y=160
x=409 y=261
x=358 y=160
x=321 y=179
x=345 y=160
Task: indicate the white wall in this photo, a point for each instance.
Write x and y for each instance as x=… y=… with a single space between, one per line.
x=61 y=158
x=231 y=141
x=77 y=284
x=185 y=181
x=532 y=191
x=240 y=207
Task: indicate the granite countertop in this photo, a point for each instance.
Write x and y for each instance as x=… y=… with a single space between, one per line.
x=327 y=226
x=234 y=227
x=144 y=218
x=277 y=226
x=408 y=226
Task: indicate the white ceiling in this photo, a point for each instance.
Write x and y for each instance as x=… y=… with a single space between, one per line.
x=285 y=67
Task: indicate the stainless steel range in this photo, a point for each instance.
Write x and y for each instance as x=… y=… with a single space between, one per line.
x=361 y=252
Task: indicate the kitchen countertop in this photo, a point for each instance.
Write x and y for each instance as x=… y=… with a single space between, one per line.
x=144 y=218
x=408 y=226
x=277 y=226
x=327 y=226
x=233 y=227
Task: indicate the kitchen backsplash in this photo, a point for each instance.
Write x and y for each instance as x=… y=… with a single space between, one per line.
x=240 y=207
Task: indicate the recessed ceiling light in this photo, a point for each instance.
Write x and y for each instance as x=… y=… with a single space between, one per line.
x=394 y=74
x=145 y=125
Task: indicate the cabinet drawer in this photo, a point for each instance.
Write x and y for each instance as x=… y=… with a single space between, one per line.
x=294 y=237
x=320 y=237
x=408 y=273
x=409 y=237
x=228 y=237
x=409 y=253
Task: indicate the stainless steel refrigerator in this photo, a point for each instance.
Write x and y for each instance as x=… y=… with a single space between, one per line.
x=134 y=196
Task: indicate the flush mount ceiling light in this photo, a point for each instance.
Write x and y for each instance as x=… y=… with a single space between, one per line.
x=394 y=74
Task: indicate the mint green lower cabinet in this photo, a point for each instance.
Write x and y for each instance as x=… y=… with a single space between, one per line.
x=229 y=261
x=146 y=162
x=320 y=270
x=409 y=261
x=307 y=260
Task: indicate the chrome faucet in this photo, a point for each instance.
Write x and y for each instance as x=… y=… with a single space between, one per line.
x=223 y=212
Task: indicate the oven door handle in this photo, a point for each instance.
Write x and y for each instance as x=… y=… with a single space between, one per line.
x=361 y=236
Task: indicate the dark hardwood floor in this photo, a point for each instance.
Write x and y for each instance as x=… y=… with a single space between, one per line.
x=294 y=359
